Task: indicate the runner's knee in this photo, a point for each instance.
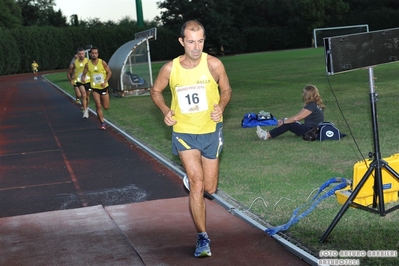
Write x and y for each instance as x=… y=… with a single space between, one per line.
x=210 y=188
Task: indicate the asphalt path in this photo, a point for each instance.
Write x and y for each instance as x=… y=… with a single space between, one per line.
x=53 y=159
x=73 y=194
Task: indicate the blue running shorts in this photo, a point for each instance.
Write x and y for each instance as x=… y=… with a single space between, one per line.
x=209 y=144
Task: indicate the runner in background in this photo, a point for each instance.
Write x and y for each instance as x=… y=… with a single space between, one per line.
x=99 y=73
x=77 y=91
x=35 y=69
x=82 y=89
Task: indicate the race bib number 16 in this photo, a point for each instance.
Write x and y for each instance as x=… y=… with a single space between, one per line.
x=192 y=99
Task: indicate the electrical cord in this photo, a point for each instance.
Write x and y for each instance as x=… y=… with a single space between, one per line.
x=343 y=116
x=346 y=122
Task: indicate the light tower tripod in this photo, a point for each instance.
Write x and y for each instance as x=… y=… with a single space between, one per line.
x=376 y=165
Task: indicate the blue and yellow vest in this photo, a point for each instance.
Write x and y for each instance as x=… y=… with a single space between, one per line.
x=194 y=92
x=79 y=67
x=97 y=74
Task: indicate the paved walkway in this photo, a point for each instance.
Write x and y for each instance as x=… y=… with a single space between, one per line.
x=72 y=194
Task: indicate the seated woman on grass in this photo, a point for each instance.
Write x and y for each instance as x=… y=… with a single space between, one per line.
x=311 y=113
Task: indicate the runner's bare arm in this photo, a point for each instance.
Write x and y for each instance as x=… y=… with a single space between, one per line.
x=160 y=84
x=218 y=72
x=84 y=73
x=108 y=70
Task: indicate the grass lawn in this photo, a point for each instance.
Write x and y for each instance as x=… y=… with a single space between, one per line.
x=286 y=171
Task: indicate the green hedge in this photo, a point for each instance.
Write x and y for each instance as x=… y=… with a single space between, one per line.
x=9 y=53
x=53 y=48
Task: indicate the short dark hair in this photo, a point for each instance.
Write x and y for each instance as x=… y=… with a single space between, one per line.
x=93 y=48
x=193 y=25
x=80 y=49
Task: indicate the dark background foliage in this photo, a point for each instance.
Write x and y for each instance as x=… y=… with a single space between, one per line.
x=33 y=30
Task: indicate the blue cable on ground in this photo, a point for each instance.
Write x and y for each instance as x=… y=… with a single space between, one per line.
x=295 y=218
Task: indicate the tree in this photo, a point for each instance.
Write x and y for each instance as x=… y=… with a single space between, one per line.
x=316 y=13
x=94 y=22
x=110 y=24
x=41 y=13
x=74 y=20
x=298 y=18
x=56 y=18
x=30 y=12
x=216 y=16
x=239 y=25
x=127 y=22
x=10 y=15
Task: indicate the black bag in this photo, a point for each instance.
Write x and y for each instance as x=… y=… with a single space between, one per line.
x=328 y=131
x=312 y=134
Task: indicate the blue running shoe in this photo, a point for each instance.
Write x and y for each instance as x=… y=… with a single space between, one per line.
x=203 y=248
x=103 y=127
